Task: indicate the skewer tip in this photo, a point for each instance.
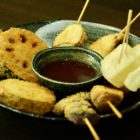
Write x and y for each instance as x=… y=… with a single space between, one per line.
x=83 y=11
x=115 y=110
x=91 y=128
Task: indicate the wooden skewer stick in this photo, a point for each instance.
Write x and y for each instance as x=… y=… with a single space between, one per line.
x=126 y=35
x=82 y=12
x=128 y=25
x=115 y=110
x=125 y=39
x=132 y=21
x=92 y=130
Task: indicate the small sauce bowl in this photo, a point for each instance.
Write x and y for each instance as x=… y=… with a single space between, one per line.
x=67 y=70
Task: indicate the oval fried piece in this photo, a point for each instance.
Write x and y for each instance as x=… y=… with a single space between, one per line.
x=26 y=96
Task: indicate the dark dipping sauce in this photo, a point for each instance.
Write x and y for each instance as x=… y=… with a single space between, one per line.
x=68 y=71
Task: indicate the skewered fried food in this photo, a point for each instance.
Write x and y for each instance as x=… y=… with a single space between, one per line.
x=26 y=96
x=72 y=35
x=101 y=94
x=116 y=68
x=60 y=105
x=77 y=111
x=106 y=44
x=18 y=46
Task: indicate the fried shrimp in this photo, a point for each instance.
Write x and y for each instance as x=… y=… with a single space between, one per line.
x=106 y=44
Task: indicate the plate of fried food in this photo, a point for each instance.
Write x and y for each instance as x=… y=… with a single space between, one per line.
x=21 y=93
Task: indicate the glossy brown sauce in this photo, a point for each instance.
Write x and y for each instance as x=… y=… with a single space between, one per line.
x=68 y=71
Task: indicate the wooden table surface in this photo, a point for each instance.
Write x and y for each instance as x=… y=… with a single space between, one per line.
x=114 y=12
x=110 y=12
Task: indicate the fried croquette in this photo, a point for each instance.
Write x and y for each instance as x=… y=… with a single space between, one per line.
x=106 y=44
x=26 y=96
x=77 y=111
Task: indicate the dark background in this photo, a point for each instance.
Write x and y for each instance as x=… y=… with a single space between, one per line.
x=110 y=12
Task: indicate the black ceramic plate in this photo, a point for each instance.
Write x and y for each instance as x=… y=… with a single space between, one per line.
x=48 y=31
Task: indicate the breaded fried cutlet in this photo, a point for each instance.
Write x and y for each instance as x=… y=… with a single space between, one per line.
x=72 y=35
x=60 y=105
x=17 y=48
x=77 y=111
x=26 y=96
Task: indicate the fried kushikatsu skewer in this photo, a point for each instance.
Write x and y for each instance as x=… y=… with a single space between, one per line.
x=114 y=70
x=81 y=112
x=60 y=106
x=78 y=110
x=106 y=98
x=125 y=61
x=73 y=34
x=106 y=44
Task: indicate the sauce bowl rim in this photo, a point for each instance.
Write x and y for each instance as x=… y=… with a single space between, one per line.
x=65 y=48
